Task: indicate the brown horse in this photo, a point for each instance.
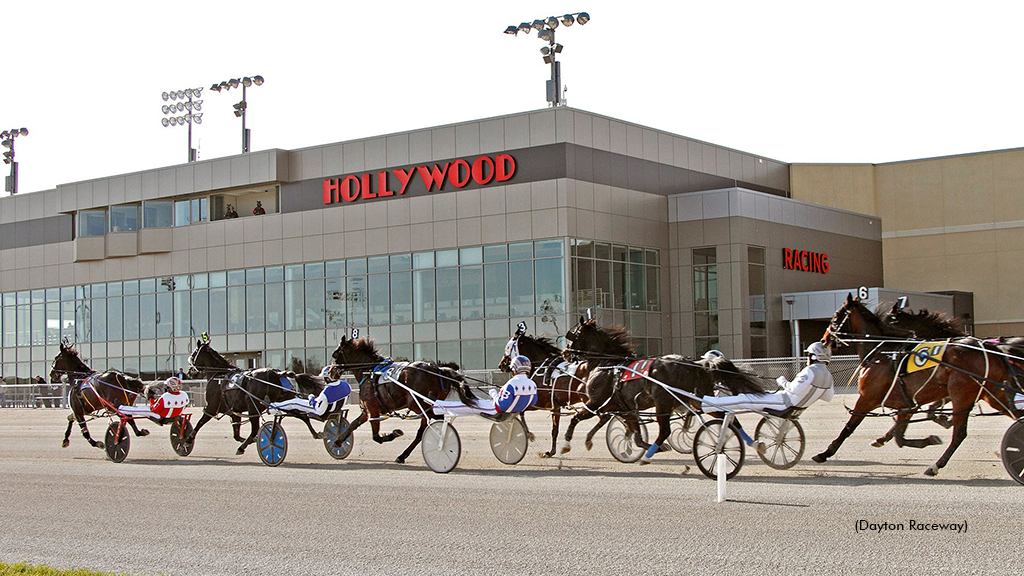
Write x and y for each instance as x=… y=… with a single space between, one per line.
x=92 y=393
x=965 y=370
x=614 y=389
x=387 y=387
x=559 y=384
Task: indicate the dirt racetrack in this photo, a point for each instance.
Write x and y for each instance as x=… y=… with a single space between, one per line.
x=217 y=513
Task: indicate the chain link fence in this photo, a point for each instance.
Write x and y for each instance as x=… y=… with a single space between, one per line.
x=841 y=367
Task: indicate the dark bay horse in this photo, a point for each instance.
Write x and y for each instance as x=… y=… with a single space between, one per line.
x=559 y=383
x=93 y=393
x=232 y=391
x=419 y=385
x=611 y=389
x=964 y=369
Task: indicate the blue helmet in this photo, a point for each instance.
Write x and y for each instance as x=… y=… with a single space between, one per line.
x=520 y=364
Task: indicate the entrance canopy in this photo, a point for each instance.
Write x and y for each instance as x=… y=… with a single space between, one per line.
x=821 y=305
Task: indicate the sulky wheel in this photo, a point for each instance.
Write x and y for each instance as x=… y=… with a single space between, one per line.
x=783 y=442
x=272 y=443
x=509 y=441
x=441 y=446
x=117 y=446
x=681 y=436
x=621 y=444
x=1012 y=451
x=705 y=445
x=333 y=428
x=180 y=430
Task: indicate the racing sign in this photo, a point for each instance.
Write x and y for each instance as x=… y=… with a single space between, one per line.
x=926 y=355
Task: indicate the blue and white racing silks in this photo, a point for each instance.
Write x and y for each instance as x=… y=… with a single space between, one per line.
x=518 y=394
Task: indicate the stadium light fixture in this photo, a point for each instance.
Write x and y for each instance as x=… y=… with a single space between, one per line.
x=7 y=141
x=186 y=101
x=546 y=31
x=241 y=107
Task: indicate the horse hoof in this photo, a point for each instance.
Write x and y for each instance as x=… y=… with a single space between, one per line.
x=565 y=448
x=645 y=461
x=819 y=458
x=545 y=454
x=143 y=432
x=531 y=437
x=931 y=471
x=933 y=440
x=878 y=443
x=589 y=445
x=240 y=451
x=100 y=445
x=397 y=434
x=65 y=444
x=318 y=436
x=400 y=460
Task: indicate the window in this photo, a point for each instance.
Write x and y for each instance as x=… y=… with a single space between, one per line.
x=124 y=218
x=705 y=299
x=92 y=223
x=190 y=211
x=756 y=294
x=157 y=214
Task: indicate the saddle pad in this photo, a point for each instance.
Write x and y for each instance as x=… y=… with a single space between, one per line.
x=236 y=379
x=392 y=371
x=287 y=383
x=637 y=369
x=926 y=355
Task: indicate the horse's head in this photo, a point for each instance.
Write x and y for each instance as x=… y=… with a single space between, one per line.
x=205 y=362
x=536 y=349
x=67 y=365
x=356 y=355
x=587 y=339
x=853 y=317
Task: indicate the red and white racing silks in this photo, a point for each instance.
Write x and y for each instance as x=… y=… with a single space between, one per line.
x=169 y=405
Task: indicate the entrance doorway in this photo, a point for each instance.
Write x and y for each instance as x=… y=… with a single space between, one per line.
x=245 y=360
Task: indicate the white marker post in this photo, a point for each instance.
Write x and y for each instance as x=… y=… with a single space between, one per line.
x=720 y=461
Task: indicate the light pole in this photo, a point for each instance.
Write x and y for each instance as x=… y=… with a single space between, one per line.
x=178 y=103
x=241 y=106
x=7 y=140
x=546 y=31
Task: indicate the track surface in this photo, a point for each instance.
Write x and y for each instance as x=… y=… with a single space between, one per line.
x=217 y=513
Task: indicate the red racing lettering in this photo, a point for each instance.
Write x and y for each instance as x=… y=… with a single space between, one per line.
x=403 y=177
x=824 y=263
x=478 y=170
x=433 y=176
x=506 y=167
x=787 y=258
x=458 y=168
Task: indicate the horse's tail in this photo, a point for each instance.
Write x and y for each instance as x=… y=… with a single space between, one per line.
x=737 y=380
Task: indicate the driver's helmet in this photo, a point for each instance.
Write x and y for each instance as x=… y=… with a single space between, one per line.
x=818 y=352
x=712 y=354
x=520 y=364
x=173 y=384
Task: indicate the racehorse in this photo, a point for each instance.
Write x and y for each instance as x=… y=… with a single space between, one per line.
x=625 y=392
x=92 y=393
x=964 y=369
x=558 y=384
x=419 y=385
x=234 y=392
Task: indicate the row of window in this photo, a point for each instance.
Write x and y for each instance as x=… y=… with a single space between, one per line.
x=705 y=300
x=616 y=276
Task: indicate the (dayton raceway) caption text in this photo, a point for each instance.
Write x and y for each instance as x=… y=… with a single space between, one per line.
x=910 y=526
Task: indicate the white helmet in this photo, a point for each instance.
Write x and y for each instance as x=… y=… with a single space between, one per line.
x=712 y=354
x=173 y=384
x=520 y=364
x=325 y=373
x=819 y=352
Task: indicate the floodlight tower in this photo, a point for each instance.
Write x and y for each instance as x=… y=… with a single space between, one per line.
x=190 y=107
x=546 y=31
x=7 y=141
x=241 y=107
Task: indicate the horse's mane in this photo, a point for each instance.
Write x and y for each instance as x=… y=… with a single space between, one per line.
x=544 y=342
x=733 y=377
x=366 y=345
x=616 y=339
x=932 y=323
x=217 y=356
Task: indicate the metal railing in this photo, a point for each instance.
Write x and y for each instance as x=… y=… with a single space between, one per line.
x=841 y=367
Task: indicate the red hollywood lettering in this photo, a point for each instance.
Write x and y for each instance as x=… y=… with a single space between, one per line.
x=506 y=167
x=404 y=176
x=433 y=177
x=478 y=170
x=456 y=172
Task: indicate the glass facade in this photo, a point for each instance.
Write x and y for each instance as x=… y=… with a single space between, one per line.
x=450 y=305
x=705 y=299
x=625 y=281
x=756 y=286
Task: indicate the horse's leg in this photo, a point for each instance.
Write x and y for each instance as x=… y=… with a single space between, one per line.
x=862 y=407
x=254 y=421
x=602 y=419
x=419 y=436
x=67 y=433
x=78 y=413
x=556 y=415
x=888 y=436
x=664 y=429
x=136 y=429
x=363 y=417
x=382 y=438
x=202 y=422
x=902 y=420
x=963 y=390
x=939 y=418
x=236 y=427
x=522 y=418
x=576 y=419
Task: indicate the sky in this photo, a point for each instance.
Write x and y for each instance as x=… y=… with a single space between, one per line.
x=800 y=82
